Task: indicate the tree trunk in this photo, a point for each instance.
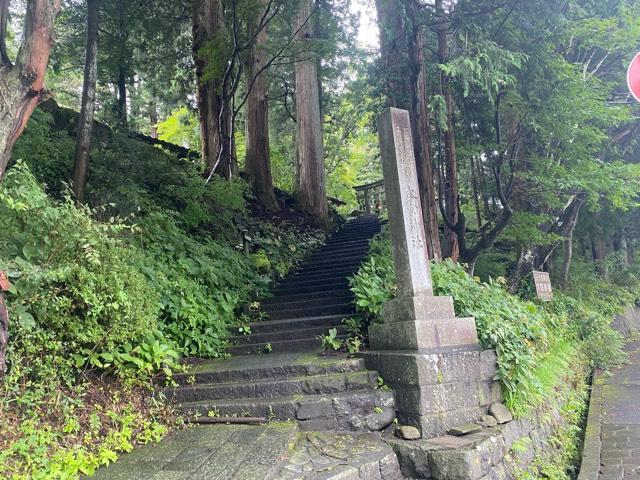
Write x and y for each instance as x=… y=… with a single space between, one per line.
x=4 y=334
x=4 y=19
x=450 y=190
x=213 y=112
x=566 y=262
x=258 y=162
x=122 y=96
x=422 y=140
x=153 y=119
x=85 y=121
x=405 y=74
x=310 y=174
x=534 y=257
x=22 y=84
x=394 y=53
x=4 y=323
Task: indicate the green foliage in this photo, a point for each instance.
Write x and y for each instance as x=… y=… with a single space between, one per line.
x=525 y=335
x=331 y=340
x=75 y=280
x=182 y=128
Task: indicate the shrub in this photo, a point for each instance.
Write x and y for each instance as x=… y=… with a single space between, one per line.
x=70 y=275
x=523 y=333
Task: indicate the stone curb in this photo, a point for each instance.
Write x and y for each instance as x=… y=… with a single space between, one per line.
x=590 y=465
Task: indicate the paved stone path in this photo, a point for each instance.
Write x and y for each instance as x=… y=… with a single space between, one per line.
x=620 y=430
x=277 y=451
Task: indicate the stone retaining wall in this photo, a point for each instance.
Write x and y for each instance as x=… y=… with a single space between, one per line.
x=628 y=322
x=495 y=453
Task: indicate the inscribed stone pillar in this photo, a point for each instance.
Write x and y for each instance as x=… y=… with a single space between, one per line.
x=430 y=358
x=416 y=319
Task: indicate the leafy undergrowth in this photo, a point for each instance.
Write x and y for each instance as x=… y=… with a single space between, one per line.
x=534 y=342
x=107 y=296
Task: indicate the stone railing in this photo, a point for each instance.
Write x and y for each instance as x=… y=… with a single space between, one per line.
x=371 y=197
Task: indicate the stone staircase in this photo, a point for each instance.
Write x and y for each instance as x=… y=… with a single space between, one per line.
x=276 y=371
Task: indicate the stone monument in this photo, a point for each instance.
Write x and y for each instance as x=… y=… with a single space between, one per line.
x=430 y=357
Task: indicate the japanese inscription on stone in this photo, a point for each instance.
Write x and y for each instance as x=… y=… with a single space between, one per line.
x=403 y=202
x=543 y=286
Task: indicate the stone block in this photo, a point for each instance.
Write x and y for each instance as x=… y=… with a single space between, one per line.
x=315 y=409
x=469 y=462
x=413 y=460
x=419 y=307
x=407 y=432
x=423 y=334
x=487 y=421
x=500 y=412
x=433 y=424
x=437 y=398
x=466 y=429
x=458 y=464
x=428 y=367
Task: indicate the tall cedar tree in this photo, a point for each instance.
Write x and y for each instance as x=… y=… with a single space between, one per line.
x=450 y=187
x=87 y=109
x=405 y=76
x=23 y=82
x=310 y=173
x=258 y=162
x=213 y=108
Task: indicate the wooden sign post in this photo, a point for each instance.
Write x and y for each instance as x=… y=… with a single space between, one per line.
x=543 y=286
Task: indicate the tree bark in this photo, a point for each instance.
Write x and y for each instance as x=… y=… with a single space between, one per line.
x=153 y=119
x=22 y=84
x=535 y=257
x=258 y=161
x=450 y=190
x=214 y=115
x=85 y=121
x=566 y=262
x=4 y=19
x=310 y=174
x=4 y=334
x=4 y=323
x=403 y=63
x=422 y=142
x=394 y=53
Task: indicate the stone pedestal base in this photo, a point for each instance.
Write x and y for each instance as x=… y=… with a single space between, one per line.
x=438 y=389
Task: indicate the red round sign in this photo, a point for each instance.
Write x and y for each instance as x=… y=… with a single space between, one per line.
x=633 y=77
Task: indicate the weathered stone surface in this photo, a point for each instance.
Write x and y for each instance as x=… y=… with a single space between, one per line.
x=433 y=367
x=409 y=244
x=466 y=429
x=407 y=432
x=420 y=307
x=423 y=334
x=500 y=412
x=487 y=421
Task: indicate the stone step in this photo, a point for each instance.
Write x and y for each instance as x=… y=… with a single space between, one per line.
x=271 y=388
x=329 y=274
x=284 y=302
x=346 y=269
x=312 y=287
x=267 y=326
x=348 y=411
x=298 y=345
x=340 y=249
x=342 y=260
x=294 y=332
x=343 y=246
x=261 y=367
x=282 y=312
x=326 y=295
